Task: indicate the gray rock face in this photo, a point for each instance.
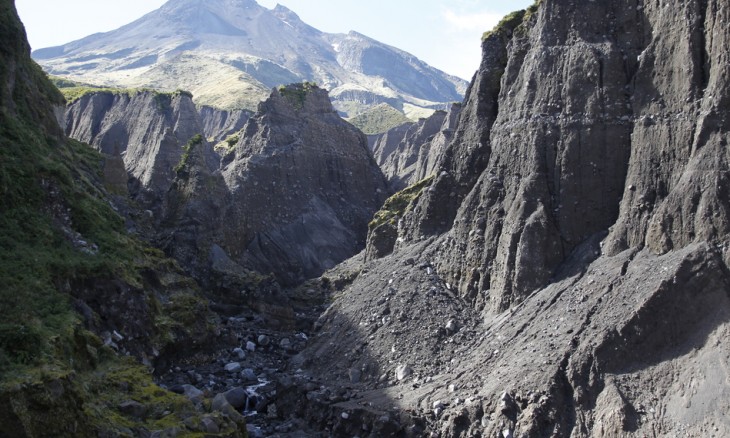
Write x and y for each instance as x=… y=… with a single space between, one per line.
x=577 y=231
x=147 y=129
x=219 y=124
x=383 y=145
x=410 y=153
x=563 y=156
x=294 y=196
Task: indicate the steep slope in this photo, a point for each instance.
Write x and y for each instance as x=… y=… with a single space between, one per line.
x=379 y=119
x=419 y=149
x=566 y=274
x=229 y=54
x=293 y=197
x=80 y=297
x=218 y=125
x=146 y=128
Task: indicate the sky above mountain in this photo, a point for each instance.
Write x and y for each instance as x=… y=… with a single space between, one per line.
x=443 y=34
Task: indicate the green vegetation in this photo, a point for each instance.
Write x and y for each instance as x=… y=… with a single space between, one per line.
x=183 y=167
x=398 y=204
x=232 y=140
x=115 y=382
x=61 y=83
x=58 y=233
x=514 y=22
x=74 y=93
x=296 y=94
x=61 y=239
x=227 y=145
x=379 y=119
x=55 y=226
x=507 y=25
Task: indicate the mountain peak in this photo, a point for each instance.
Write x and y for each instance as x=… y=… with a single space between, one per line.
x=281 y=9
x=230 y=53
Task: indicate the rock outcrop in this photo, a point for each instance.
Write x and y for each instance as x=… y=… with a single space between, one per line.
x=566 y=273
x=293 y=197
x=146 y=129
x=219 y=124
x=410 y=153
x=82 y=301
x=563 y=272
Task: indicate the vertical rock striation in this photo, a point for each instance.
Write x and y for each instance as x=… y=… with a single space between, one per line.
x=581 y=216
x=146 y=128
x=293 y=197
x=599 y=121
x=410 y=153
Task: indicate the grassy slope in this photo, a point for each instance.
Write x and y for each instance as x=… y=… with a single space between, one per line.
x=379 y=119
x=58 y=231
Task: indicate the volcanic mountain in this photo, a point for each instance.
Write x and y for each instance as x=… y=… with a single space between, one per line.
x=230 y=53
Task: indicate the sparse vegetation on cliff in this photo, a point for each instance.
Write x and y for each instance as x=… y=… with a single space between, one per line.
x=188 y=149
x=296 y=94
x=513 y=22
x=379 y=119
x=74 y=93
x=397 y=205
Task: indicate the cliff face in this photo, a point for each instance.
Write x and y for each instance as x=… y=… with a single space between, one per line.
x=147 y=129
x=220 y=124
x=295 y=193
x=590 y=136
x=573 y=251
x=410 y=153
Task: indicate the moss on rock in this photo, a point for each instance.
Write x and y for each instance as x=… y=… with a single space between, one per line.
x=397 y=205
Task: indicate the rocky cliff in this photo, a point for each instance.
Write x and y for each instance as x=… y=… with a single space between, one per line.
x=292 y=198
x=289 y=193
x=145 y=128
x=410 y=153
x=566 y=272
x=219 y=124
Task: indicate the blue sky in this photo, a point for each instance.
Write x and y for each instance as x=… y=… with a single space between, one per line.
x=444 y=33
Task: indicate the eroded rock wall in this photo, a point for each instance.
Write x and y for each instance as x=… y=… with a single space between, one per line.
x=410 y=153
x=567 y=270
x=219 y=124
x=295 y=194
x=599 y=121
x=146 y=128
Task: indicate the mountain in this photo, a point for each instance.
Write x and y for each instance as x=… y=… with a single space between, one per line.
x=230 y=53
x=565 y=273
x=562 y=272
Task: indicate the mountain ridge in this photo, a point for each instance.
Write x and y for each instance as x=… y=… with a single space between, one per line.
x=251 y=49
